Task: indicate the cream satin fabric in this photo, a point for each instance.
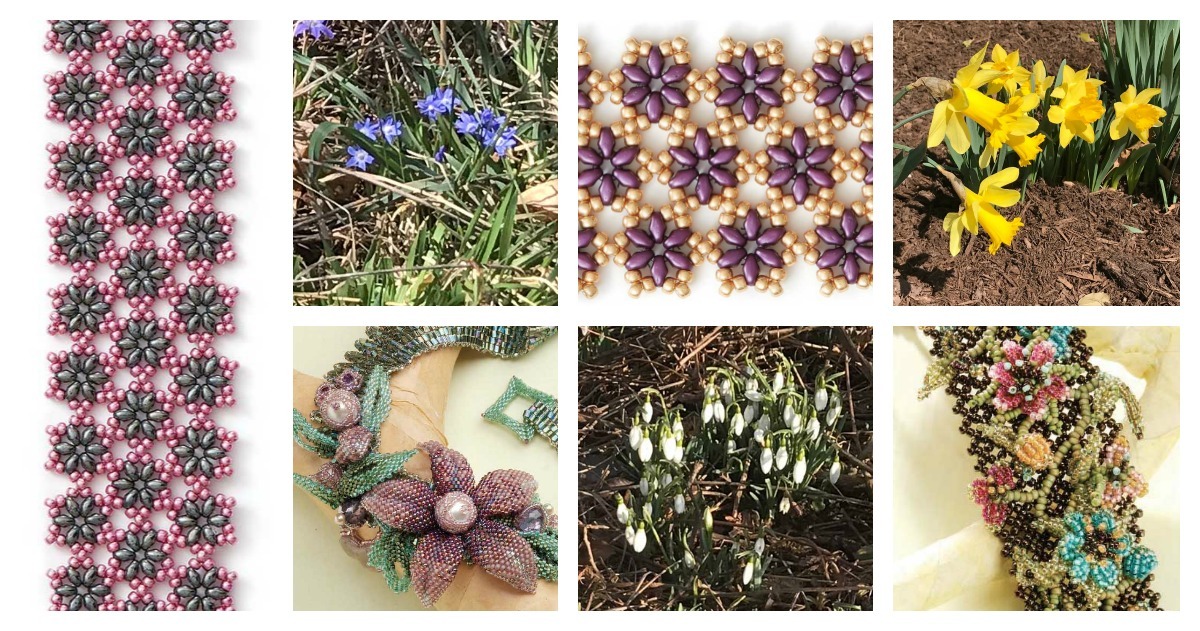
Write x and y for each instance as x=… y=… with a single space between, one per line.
x=945 y=557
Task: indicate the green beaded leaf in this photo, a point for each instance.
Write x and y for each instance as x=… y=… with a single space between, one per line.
x=545 y=545
x=391 y=547
x=372 y=470
x=318 y=490
x=321 y=442
x=376 y=399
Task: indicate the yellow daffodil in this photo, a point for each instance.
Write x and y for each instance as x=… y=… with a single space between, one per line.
x=979 y=210
x=1038 y=83
x=1009 y=72
x=1134 y=114
x=1007 y=124
x=1078 y=106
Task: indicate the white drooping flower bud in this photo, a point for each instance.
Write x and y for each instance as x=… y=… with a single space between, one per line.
x=760 y=546
x=778 y=385
x=646 y=449
x=622 y=511
x=730 y=446
x=726 y=387
x=629 y=534
x=666 y=479
x=679 y=504
x=739 y=424
x=710 y=392
x=635 y=436
x=644 y=487
x=688 y=559
x=719 y=411
x=668 y=446
x=647 y=411
x=754 y=395
x=800 y=469
x=748 y=572
x=835 y=472
x=785 y=504
x=639 y=540
x=789 y=417
x=751 y=383
x=751 y=413
x=814 y=428
x=822 y=399
x=679 y=449
x=764 y=422
x=759 y=435
x=781 y=458
x=835 y=410
x=765 y=460
x=706 y=415
x=677 y=426
x=647 y=511
x=708 y=520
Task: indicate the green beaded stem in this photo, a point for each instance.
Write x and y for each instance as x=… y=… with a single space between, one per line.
x=539 y=418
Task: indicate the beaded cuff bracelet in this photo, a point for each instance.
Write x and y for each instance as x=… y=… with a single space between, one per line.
x=749 y=86
x=428 y=527
x=141 y=449
x=1057 y=485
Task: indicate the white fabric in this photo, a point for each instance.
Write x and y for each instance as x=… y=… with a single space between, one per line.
x=945 y=557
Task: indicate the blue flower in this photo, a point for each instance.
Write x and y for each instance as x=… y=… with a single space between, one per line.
x=440 y=101
x=368 y=127
x=391 y=129
x=440 y=156
x=467 y=124
x=502 y=141
x=316 y=29
x=358 y=158
x=1095 y=548
x=1139 y=563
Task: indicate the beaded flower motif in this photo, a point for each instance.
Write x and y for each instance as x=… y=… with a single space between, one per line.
x=458 y=519
x=1097 y=550
x=1025 y=380
x=989 y=494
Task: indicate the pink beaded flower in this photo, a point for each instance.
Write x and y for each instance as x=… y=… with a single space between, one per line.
x=458 y=519
x=989 y=493
x=1025 y=380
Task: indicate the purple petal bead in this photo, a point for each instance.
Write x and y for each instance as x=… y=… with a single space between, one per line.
x=864 y=72
x=769 y=258
x=850 y=269
x=866 y=234
x=624 y=157
x=655 y=108
x=830 y=258
x=828 y=95
x=658 y=271
x=728 y=97
x=770 y=74
x=750 y=108
x=635 y=74
x=723 y=177
x=590 y=157
x=829 y=235
x=731 y=74
x=781 y=176
x=821 y=178
x=849 y=225
x=608 y=142
x=655 y=61
x=635 y=95
x=678 y=259
x=683 y=156
x=678 y=237
x=627 y=178
x=586 y=236
x=866 y=253
x=800 y=190
x=768 y=96
x=676 y=73
x=781 y=155
x=703 y=143
x=846 y=60
x=827 y=72
x=608 y=189
x=682 y=178
x=848 y=104
x=799 y=143
x=771 y=236
x=750 y=269
x=587 y=262
x=638 y=260
x=639 y=237
x=724 y=155
x=750 y=62
x=819 y=155
x=753 y=224
x=865 y=92
x=731 y=257
x=674 y=96
x=704 y=189
x=731 y=236
x=658 y=228
x=588 y=177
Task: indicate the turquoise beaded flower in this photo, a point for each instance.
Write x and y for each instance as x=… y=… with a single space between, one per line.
x=1096 y=550
x=1139 y=563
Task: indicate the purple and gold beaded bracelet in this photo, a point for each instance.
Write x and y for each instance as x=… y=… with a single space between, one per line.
x=703 y=166
x=141 y=450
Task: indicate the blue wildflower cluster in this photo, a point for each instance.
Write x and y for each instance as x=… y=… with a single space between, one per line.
x=1099 y=531
x=485 y=125
x=316 y=29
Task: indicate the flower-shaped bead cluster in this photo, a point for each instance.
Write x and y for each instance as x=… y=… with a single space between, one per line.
x=137 y=231
x=708 y=165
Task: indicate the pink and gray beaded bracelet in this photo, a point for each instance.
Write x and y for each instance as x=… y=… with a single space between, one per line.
x=142 y=449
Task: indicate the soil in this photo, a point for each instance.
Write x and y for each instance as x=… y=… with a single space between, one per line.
x=1074 y=242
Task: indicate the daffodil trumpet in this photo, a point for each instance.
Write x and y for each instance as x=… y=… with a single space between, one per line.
x=978 y=209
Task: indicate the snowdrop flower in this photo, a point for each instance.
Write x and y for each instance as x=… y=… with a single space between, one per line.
x=639 y=540
x=647 y=411
x=835 y=472
x=679 y=504
x=635 y=436
x=752 y=390
x=800 y=469
x=707 y=414
x=726 y=387
x=647 y=512
x=835 y=410
x=764 y=423
x=760 y=546
x=667 y=479
x=748 y=573
x=751 y=413
x=708 y=520
x=778 y=385
x=719 y=411
x=781 y=458
x=789 y=417
x=688 y=559
x=646 y=449
x=677 y=427
x=785 y=504
x=814 y=428
x=730 y=446
x=622 y=511
x=710 y=392
x=754 y=396
x=644 y=487
x=759 y=435
x=765 y=460
x=822 y=399
x=668 y=446
x=739 y=424
x=629 y=534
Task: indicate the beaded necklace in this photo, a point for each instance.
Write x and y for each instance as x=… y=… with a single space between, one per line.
x=141 y=450
x=428 y=528
x=1057 y=485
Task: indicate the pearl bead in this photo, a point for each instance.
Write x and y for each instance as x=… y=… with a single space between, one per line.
x=455 y=512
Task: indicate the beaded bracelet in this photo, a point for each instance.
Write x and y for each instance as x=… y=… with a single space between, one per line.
x=428 y=527
x=703 y=166
x=141 y=449
x=1057 y=485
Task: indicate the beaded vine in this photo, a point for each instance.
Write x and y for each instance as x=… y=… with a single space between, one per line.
x=427 y=528
x=1056 y=483
x=749 y=86
x=142 y=448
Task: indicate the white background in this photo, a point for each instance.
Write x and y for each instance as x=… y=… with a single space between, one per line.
x=262 y=483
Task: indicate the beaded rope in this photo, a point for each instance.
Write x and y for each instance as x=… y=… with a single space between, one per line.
x=140 y=450
x=1056 y=483
x=540 y=418
x=703 y=166
x=428 y=528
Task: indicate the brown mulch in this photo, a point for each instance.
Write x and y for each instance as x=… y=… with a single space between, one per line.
x=822 y=555
x=1074 y=243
